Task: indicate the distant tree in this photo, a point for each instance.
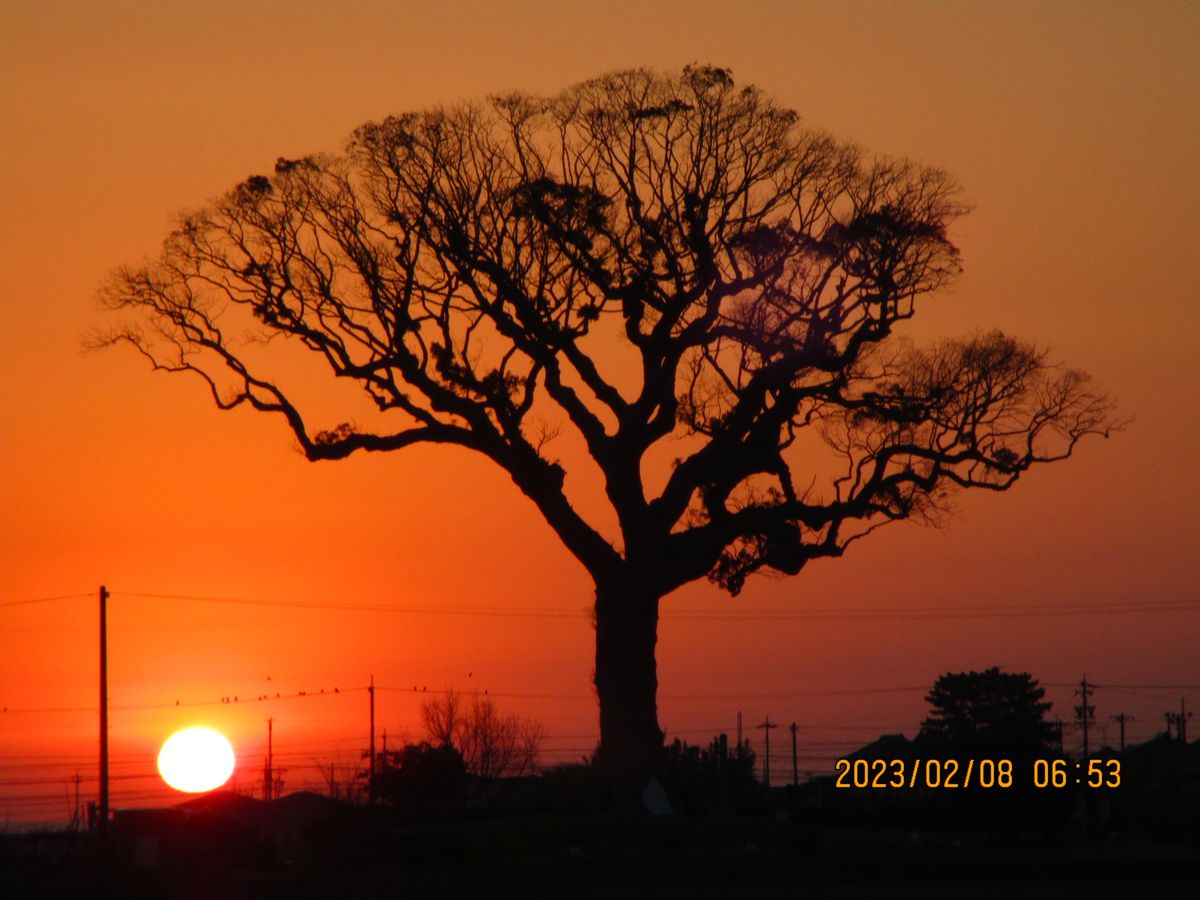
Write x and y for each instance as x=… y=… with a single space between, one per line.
x=344 y=778
x=710 y=778
x=421 y=778
x=986 y=712
x=669 y=266
x=491 y=743
x=997 y=716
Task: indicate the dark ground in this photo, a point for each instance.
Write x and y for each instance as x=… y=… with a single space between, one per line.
x=594 y=856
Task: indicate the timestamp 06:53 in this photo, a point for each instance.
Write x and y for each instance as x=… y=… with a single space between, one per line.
x=982 y=773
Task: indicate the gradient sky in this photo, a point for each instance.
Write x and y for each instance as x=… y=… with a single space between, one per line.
x=1075 y=131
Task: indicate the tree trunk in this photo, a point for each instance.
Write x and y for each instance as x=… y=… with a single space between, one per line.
x=627 y=686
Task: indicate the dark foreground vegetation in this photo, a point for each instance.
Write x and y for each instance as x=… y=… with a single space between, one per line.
x=552 y=835
x=600 y=856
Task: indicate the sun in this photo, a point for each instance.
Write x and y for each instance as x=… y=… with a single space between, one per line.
x=195 y=760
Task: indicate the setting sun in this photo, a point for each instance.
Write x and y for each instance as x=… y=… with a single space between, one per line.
x=196 y=760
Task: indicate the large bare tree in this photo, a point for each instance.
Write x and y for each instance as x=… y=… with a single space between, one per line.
x=645 y=260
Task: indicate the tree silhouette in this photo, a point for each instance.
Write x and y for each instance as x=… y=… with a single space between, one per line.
x=491 y=743
x=988 y=712
x=663 y=265
x=421 y=778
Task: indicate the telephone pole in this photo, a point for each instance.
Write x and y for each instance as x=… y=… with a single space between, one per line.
x=766 y=726
x=1084 y=712
x=103 y=713
x=1122 y=719
x=795 y=768
x=1180 y=719
x=77 y=815
x=371 y=763
x=269 y=774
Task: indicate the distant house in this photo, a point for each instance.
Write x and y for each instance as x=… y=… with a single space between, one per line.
x=1160 y=788
x=885 y=747
x=823 y=799
x=1164 y=764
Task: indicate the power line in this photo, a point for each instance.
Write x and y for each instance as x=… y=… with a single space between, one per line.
x=230 y=700
x=45 y=599
x=368 y=607
x=843 y=613
x=1152 y=687
x=517 y=695
x=789 y=695
x=513 y=695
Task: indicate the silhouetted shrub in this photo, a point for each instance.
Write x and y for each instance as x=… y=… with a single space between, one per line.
x=421 y=779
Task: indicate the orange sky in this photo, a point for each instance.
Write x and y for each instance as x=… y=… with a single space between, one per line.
x=1075 y=130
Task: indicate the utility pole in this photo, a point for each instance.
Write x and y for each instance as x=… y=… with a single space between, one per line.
x=1122 y=719
x=103 y=714
x=371 y=764
x=739 y=743
x=795 y=768
x=766 y=726
x=269 y=773
x=77 y=814
x=1058 y=733
x=1084 y=712
x=1180 y=721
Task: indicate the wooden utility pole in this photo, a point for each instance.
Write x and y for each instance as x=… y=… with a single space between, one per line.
x=766 y=726
x=1084 y=712
x=795 y=767
x=269 y=773
x=1122 y=719
x=77 y=814
x=1180 y=721
x=371 y=764
x=103 y=823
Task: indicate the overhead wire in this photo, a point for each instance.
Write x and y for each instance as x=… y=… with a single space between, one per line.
x=828 y=614
x=33 y=600
x=841 y=613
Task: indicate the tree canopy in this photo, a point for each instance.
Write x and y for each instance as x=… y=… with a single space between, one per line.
x=454 y=263
x=986 y=710
x=649 y=261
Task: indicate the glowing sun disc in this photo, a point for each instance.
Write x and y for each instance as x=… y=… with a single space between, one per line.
x=196 y=760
